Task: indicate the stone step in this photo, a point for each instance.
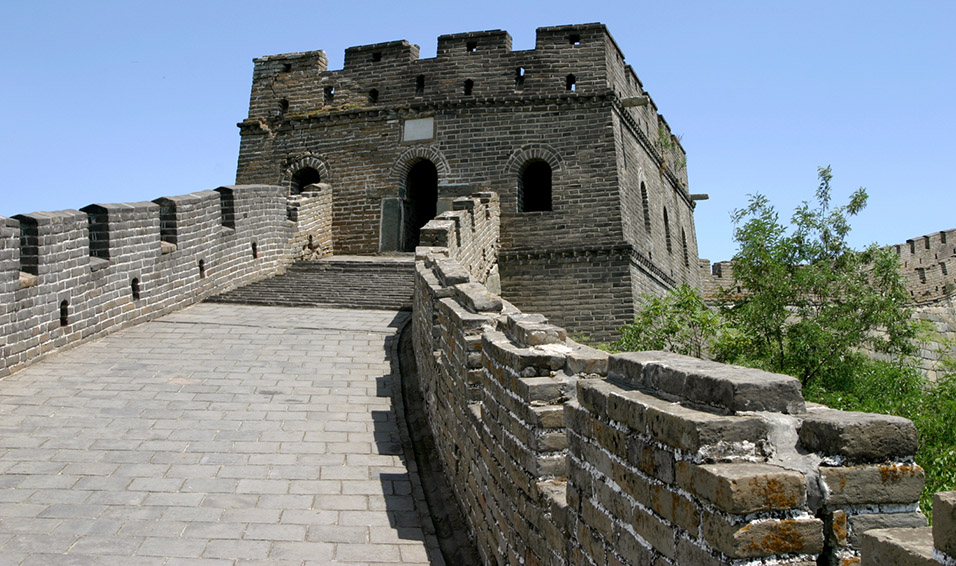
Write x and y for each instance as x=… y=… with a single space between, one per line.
x=361 y=282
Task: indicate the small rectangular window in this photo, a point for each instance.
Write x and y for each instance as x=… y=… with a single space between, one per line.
x=227 y=207
x=519 y=79
x=29 y=245
x=98 y=222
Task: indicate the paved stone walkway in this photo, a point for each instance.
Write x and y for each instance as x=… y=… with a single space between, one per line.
x=218 y=435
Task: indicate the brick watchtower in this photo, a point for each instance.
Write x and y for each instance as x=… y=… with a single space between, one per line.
x=594 y=202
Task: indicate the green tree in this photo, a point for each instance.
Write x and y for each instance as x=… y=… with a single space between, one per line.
x=811 y=302
x=678 y=322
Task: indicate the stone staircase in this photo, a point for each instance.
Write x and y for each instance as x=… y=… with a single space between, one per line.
x=359 y=282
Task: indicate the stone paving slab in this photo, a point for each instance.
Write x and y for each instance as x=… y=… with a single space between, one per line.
x=218 y=435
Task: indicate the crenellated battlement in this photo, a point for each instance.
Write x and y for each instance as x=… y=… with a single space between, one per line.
x=71 y=275
x=928 y=264
x=579 y=60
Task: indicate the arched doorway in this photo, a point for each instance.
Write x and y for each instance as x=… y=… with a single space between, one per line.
x=421 y=201
x=534 y=187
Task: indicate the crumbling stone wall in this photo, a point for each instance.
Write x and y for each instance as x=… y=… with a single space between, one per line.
x=561 y=454
x=71 y=275
x=621 y=217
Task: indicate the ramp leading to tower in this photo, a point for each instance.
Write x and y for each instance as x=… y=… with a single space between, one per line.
x=361 y=282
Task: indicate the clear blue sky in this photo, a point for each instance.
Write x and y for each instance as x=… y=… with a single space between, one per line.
x=109 y=101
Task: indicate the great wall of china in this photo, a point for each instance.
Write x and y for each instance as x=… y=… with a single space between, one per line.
x=927 y=265
x=557 y=453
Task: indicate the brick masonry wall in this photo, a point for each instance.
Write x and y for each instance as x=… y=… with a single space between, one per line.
x=469 y=233
x=561 y=454
x=178 y=251
x=311 y=210
x=599 y=148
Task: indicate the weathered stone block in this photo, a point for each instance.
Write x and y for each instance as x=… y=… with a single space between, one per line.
x=659 y=534
x=859 y=437
x=882 y=483
x=549 y=390
x=709 y=436
x=650 y=459
x=688 y=552
x=450 y=272
x=764 y=538
x=585 y=360
x=838 y=529
x=477 y=298
x=709 y=384
x=912 y=547
x=549 y=416
x=742 y=488
x=944 y=522
x=863 y=523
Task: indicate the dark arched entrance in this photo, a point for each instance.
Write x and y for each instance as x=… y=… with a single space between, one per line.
x=303 y=178
x=421 y=201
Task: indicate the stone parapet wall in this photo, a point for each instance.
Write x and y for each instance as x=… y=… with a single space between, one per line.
x=311 y=210
x=941 y=317
x=717 y=279
x=933 y=301
x=928 y=264
x=71 y=275
x=470 y=234
x=561 y=454
x=587 y=289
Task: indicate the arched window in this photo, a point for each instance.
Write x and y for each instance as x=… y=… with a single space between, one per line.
x=571 y=83
x=667 y=232
x=303 y=178
x=373 y=96
x=683 y=241
x=134 y=288
x=469 y=87
x=647 y=208
x=534 y=187
x=64 y=313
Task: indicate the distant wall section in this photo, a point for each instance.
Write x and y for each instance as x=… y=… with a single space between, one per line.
x=928 y=267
